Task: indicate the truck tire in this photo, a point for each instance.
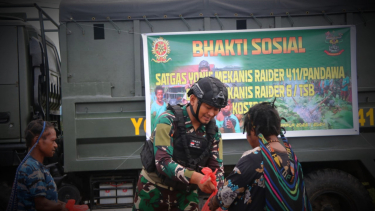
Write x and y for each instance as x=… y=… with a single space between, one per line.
x=331 y=189
x=67 y=192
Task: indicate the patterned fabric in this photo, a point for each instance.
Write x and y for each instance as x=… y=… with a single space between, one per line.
x=264 y=179
x=245 y=181
x=13 y=200
x=285 y=186
x=149 y=197
x=163 y=149
x=34 y=180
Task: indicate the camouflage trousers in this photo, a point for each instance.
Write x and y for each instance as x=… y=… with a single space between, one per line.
x=149 y=197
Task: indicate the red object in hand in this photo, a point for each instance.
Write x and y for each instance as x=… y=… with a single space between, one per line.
x=72 y=207
x=207 y=174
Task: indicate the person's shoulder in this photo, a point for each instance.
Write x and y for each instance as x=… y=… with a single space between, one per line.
x=217 y=135
x=166 y=117
x=154 y=104
x=252 y=153
x=30 y=165
x=31 y=169
x=250 y=163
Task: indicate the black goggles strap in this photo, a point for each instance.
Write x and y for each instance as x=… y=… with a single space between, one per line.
x=196 y=114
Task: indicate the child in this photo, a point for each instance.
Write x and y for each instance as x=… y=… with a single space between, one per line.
x=159 y=106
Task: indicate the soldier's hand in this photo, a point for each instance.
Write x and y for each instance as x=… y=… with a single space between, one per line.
x=207 y=186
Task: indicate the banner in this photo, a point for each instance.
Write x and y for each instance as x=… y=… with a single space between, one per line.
x=311 y=72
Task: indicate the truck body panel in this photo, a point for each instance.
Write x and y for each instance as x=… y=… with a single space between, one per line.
x=83 y=71
x=9 y=84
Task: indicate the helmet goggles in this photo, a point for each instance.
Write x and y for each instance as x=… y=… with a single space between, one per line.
x=214 y=94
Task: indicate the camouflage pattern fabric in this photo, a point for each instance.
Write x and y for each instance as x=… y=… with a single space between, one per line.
x=149 y=197
x=163 y=149
x=34 y=180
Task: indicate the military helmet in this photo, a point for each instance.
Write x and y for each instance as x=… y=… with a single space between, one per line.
x=211 y=91
x=204 y=64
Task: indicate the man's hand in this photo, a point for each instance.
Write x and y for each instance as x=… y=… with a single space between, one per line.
x=213 y=204
x=63 y=208
x=207 y=187
x=63 y=205
x=221 y=130
x=41 y=203
x=230 y=126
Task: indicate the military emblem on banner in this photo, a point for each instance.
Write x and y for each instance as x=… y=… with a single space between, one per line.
x=161 y=49
x=333 y=40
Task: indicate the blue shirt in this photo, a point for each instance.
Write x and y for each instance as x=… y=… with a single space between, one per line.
x=34 y=180
x=158 y=109
x=236 y=128
x=345 y=81
x=327 y=82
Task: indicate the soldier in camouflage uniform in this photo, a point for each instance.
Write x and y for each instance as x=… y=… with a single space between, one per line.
x=35 y=187
x=153 y=192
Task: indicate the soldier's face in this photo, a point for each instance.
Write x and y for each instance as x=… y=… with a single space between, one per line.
x=47 y=143
x=206 y=112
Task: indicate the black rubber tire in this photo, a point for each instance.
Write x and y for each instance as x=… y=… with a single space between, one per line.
x=67 y=192
x=331 y=189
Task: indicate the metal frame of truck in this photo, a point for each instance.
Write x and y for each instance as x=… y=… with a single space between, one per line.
x=30 y=87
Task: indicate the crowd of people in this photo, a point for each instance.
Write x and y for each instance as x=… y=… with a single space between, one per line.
x=337 y=88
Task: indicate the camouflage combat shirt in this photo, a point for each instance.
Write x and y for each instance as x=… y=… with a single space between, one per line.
x=34 y=180
x=163 y=149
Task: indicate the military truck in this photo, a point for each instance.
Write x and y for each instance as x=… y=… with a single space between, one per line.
x=103 y=95
x=30 y=88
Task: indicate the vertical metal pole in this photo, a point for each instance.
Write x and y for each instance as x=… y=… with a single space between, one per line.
x=46 y=66
x=137 y=59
